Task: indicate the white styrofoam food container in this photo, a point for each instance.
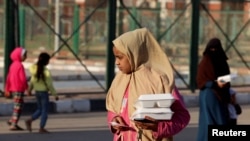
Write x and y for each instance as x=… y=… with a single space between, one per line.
x=156 y=113
x=226 y=78
x=154 y=100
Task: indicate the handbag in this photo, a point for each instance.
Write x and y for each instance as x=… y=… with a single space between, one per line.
x=238 y=109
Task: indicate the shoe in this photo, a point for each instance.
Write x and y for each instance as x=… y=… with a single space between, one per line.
x=43 y=131
x=16 y=128
x=8 y=123
x=28 y=125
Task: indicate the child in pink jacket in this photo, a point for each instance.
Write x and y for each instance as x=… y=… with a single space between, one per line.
x=16 y=84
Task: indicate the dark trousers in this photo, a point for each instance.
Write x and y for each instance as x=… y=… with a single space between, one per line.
x=42 y=98
x=233 y=122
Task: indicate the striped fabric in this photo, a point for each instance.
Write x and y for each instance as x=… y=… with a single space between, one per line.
x=18 y=105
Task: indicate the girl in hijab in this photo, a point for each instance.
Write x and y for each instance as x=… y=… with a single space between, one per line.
x=144 y=69
x=214 y=95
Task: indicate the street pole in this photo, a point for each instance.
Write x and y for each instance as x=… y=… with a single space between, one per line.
x=76 y=24
x=22 y=26
x=16 y=23
x=57 y=24
x=10 y=41
x=110 y=72
x=194 y=44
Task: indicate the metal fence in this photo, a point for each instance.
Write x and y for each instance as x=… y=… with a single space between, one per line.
x=171 y=27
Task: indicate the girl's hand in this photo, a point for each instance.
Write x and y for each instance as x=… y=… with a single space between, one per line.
x=221 y=84
x=148 y=123
x=29 y=93
x=119 y=124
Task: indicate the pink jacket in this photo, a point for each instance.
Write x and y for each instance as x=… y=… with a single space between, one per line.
x=180 y=119
x=16 y=78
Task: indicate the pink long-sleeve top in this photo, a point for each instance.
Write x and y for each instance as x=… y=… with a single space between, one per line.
x=168 y=128
x=16 y=79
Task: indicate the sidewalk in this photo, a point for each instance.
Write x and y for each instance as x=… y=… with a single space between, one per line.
x=92 y=102
x=67 y=70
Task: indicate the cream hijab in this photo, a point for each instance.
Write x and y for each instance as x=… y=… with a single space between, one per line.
x=151 y=69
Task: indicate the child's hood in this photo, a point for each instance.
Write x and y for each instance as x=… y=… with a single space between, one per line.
x=16 y=54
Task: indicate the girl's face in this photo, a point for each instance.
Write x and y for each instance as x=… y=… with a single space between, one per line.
x=24 y=56
x=121 y=60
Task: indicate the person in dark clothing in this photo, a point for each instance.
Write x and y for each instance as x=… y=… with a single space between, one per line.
x=214 y=95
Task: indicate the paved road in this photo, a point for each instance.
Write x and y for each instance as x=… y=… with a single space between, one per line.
x=91 y=126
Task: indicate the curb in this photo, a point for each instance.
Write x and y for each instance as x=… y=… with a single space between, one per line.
x=93 y=105
x=193 y=100
x=61 y=106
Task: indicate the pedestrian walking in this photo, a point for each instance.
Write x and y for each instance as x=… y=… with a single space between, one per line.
x=144 y=69
x=16 y=85
x=214 y=95
x=234 y=108
x=41 y=82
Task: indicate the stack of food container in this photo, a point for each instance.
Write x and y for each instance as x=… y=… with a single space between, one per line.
x=156 y=106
